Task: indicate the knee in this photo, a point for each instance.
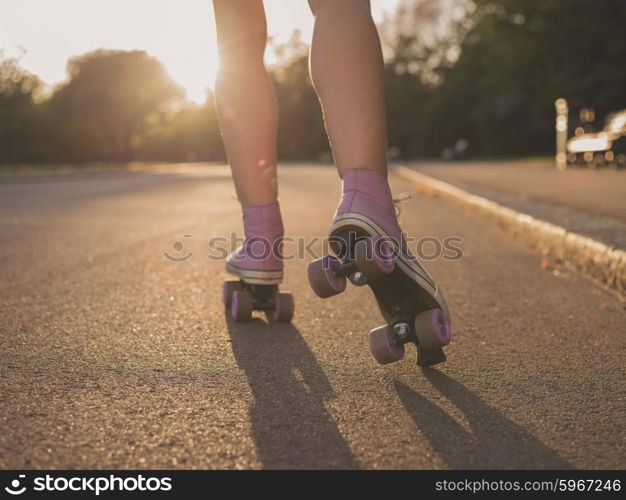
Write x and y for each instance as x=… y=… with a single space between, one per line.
x=241 y=52
x=241 y=33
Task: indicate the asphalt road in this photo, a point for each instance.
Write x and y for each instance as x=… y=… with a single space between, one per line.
x=112 y=356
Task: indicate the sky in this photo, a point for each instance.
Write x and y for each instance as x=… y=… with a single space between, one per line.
x=180 y=33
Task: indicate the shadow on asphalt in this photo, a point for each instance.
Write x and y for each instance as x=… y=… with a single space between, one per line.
x=291 y=427
x=492 y=440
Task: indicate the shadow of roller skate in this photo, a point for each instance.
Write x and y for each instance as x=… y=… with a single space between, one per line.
x=492 y=441
x=291 y=427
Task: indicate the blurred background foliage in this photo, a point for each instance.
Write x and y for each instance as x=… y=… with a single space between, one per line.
x=484 y=71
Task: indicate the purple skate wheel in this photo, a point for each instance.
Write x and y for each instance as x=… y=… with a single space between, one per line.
x=228 y=288
x=374 y=257
x=433 y=329
x=321 y=278
x=241 y=306
x=285 y=307
x=382 y=346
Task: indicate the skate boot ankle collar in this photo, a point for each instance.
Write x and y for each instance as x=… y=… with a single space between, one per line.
x=263 y=221
x=368 y=183
x=359 y=179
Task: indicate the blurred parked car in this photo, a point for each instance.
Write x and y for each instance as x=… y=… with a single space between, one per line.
x=607 y=147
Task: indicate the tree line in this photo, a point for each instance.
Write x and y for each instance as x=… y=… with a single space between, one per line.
x=483 y=72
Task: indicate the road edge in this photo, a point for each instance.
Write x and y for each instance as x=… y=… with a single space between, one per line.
x=593 y=258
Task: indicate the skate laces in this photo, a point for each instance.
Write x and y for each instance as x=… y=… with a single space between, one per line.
x=399 y=198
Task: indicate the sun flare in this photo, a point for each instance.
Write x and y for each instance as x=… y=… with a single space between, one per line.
x=44 y=35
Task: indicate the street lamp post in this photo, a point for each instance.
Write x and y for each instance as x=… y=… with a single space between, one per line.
x=561 y=133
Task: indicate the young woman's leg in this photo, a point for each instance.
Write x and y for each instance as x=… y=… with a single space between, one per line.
x=245 y=100
x=348 y=75
x=248 y=119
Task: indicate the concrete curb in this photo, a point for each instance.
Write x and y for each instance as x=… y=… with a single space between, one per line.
x=591 y=257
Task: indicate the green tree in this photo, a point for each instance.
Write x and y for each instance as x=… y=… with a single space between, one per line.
x=517 y=57
x=20 y=116
x=190 y=134
x=301 y=132
x=490 y=70
x=108 y=102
